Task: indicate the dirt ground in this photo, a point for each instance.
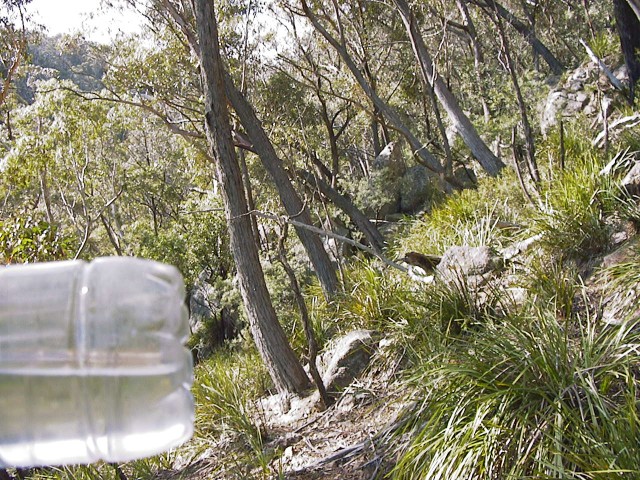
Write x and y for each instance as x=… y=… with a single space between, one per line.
x=305 y=443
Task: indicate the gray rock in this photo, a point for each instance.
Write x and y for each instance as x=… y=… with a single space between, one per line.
x=347 y=358
x=620 y=303
x=571 y=98
x=631 y=182
x=415 y=189
x=466 y=261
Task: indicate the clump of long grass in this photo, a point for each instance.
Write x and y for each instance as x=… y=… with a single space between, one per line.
x=375 y=299
x=460 y=220
x=528 y=398
x=554 y=286
x=224 y=390
x=574 y=213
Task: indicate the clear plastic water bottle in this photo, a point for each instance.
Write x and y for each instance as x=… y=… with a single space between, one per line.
x=92 y=362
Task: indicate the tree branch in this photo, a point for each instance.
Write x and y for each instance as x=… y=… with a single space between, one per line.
x=335 y=236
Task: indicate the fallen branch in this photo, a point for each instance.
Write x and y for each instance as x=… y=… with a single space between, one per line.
x=335 y=236
x=626 y=122
x=612 y=78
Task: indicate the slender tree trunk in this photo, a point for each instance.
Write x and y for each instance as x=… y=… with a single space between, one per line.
x=46 y=194
x=251 y=204
x=333 y=140
x=283 y=365
x=478 y=55
x=426 y=158
x=628 y=25
x=113 y=239
x=304 y=315
x=528 y=132
x=467 y=131
x=290 y=198
x=554 y=64
x=375 y=238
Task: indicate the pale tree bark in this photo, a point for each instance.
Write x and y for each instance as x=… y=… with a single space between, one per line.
x=554 y=64
x=419 y=149
x=635 y=6
x=290 y=199
x=461 y=122
x=283 y=365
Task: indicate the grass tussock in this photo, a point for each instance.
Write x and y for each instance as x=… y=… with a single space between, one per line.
x=528 y=398
x=534 y=387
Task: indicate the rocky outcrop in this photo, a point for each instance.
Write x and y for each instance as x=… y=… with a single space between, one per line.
x=618 y=300
x=578 y=95
x=467 y=261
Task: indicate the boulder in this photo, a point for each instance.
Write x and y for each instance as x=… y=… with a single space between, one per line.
x=619 y=302
x=415 y=189
x=573 y=97
x=631 y=182
x=466 y=261
x=346 y=358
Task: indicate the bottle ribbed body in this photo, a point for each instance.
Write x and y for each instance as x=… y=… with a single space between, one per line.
x=92 y=362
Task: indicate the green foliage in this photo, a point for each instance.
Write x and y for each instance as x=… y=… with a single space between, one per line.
x=27 y=240
x=377 y=191
x=470 y=217
x=225 y=392
x=375 y=299
x=459 y=306
x=554 y=286
x=604 y=45
x=572 y=220
x=527 y=398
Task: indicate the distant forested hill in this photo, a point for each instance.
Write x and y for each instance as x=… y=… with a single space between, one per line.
x=66 y=58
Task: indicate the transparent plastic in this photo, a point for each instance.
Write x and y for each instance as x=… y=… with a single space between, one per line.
x=92 y=362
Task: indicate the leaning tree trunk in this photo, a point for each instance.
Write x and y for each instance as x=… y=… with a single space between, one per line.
x=426 y=158
x=290 y=198
x=461 y=122
x=368 y=229
x=628 y=23
x=554 y=64
x=283 y=365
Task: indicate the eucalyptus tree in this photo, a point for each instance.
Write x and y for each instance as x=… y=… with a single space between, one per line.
x=333 y=31
x=460 y=121
x=201 y=37
x=180 y=113
x=13 y=42
x=284 y=367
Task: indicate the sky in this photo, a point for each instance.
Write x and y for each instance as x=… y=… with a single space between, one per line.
x=72 y=16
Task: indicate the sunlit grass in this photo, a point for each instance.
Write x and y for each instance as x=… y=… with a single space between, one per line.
x=528 y=398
